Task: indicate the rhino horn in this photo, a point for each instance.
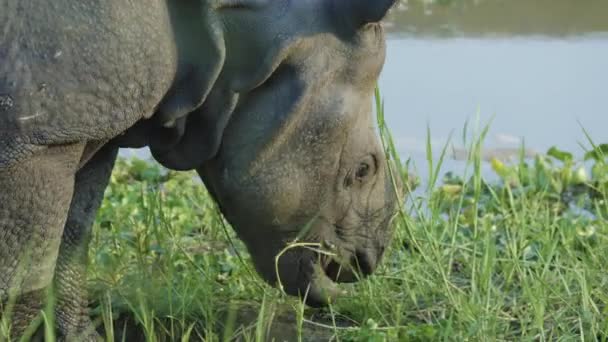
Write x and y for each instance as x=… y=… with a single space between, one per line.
x=362 y=12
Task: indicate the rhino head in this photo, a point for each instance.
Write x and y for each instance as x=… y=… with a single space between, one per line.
x=284 y=137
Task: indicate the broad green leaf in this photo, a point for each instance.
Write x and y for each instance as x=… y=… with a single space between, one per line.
x=599 y=153
x=559 y=154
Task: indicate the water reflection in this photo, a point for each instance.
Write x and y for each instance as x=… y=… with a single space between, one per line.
x=555 y=18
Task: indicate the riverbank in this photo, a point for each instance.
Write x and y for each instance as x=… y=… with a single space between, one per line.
x=519 y=258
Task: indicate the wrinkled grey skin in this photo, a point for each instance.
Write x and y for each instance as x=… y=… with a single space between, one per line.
x=269 y=100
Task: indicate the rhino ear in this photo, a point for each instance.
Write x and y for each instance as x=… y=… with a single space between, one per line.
x=361 y=12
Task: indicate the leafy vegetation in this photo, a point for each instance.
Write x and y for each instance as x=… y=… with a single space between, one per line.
x=522 y=258
x=519 y=259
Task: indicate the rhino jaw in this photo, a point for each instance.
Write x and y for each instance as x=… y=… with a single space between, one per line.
x=308 y=280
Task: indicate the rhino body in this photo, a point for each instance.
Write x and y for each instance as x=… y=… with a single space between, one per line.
x=269 y=100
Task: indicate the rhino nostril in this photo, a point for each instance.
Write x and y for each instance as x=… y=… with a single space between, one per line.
x=364 y=263
x=339 y=273
x=333 y=270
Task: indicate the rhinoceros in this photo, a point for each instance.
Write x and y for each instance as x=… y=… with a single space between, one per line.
x=270 y=101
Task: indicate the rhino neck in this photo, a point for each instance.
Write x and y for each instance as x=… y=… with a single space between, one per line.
x=191 y=140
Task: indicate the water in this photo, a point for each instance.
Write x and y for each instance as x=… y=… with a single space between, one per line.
x=541 y=91
x=537 y=68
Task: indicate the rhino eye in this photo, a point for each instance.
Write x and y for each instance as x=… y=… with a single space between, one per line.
x=366 y=168
x=362 y=171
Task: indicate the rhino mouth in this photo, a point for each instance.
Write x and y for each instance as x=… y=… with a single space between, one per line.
x=321 y=276
x=339 y=272
x=314 y=271
x=321 y=288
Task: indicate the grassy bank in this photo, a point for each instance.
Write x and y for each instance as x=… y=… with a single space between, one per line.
x=522 y=258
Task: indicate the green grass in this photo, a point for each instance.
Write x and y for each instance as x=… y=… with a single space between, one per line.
x=522 y=258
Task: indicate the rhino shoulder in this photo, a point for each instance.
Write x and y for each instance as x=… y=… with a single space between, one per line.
x=81 y=70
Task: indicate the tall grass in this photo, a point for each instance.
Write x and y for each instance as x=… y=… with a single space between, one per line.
x=522 y=258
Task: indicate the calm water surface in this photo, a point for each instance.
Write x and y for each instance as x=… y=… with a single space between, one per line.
x=538 y=70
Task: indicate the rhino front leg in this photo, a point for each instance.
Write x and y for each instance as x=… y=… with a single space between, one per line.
x=70 y=275
x=35 y=194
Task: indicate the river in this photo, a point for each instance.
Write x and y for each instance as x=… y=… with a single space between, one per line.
x=538 y=70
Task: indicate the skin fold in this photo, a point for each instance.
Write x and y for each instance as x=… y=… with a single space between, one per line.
x=268 y=100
